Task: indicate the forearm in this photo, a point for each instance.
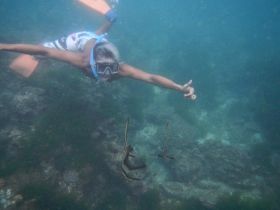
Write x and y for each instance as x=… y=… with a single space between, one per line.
x=164 y=82
x=24 y=48
x=110 y=18
x=132 y=72
x=104 y=28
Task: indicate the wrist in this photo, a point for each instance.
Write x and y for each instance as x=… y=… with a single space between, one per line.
x=180 y=88
x=111 y=16
x=2 y=46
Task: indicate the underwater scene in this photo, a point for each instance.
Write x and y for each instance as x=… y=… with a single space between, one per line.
x=68 y=142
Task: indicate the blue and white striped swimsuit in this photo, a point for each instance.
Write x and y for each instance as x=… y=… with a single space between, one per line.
x=74 y=42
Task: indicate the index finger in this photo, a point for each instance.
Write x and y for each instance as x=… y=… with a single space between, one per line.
x=188 y=83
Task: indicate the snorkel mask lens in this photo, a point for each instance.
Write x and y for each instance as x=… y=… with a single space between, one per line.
x=106 y=69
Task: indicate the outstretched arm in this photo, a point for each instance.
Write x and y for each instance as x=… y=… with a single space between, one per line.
x=75 y=59
x=132 y=72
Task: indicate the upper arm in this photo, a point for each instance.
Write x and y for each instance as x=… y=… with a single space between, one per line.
x=75 y=59
x=132 y=72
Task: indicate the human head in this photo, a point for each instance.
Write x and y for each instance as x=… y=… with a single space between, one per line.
x=106 y=52
x=104 y=60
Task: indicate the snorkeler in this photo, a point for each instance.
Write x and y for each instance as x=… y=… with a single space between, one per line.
x=90 y=52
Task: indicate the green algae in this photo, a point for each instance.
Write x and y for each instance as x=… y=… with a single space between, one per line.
x=149 y=201
x=45 y=197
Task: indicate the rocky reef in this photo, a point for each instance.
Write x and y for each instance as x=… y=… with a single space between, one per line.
x=67 y=143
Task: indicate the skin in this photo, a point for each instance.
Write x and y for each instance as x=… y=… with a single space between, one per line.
x=81 y=60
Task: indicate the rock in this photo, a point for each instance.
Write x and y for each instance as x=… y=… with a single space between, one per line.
x=17 y=198
x=71 y=177
x=13 y=138
x=70 y=181
x=28 y=101
x=208 y=192
x=29 y=205
x=5 y=198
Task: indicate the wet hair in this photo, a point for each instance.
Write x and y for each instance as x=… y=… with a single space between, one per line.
x=106 y=52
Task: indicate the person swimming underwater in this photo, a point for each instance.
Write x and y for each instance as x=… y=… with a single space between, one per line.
x=93 y=54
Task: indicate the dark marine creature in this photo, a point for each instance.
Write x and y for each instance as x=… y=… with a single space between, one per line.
x=129 y=162
x=164 y=152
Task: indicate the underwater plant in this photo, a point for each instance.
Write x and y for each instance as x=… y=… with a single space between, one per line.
x=44 y=196
x=113 y=201
x=149 y=201
x=236 y=202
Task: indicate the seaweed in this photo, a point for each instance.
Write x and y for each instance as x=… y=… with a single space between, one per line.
x=113 y=201
x=45 y=196
x=68 y=122
x=192 y=204
x=236 y=202
x=149 y=201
